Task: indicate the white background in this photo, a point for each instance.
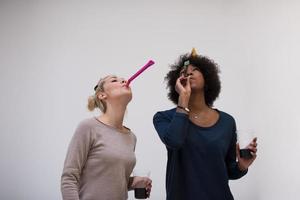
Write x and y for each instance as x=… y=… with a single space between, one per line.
x=52 y=53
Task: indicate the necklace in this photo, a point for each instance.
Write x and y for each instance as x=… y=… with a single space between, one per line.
x=200 y=115
x=205 y=119
x=195 y=116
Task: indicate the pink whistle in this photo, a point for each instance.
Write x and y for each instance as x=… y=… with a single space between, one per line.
x=150 y=62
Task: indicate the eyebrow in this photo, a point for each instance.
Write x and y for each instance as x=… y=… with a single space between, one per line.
x=112 y=77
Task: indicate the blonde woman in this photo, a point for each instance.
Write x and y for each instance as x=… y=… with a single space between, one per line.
x=101 y=156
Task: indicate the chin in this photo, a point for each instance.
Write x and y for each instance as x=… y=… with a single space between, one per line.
x=128 y=96
x=129 y=99
x=194 y=87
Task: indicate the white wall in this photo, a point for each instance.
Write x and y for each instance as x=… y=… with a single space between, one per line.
x=52 y=54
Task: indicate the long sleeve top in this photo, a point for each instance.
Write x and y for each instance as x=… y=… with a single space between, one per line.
x=201 y=160
x=98 y=164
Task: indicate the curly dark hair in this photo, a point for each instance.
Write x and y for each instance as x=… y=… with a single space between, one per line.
x=209 y=70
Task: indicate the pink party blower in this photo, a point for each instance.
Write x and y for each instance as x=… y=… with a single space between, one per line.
x=150 y=62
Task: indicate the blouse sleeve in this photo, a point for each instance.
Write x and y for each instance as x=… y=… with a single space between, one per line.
x=172 y=130
x=231 y=160
x=75 y=160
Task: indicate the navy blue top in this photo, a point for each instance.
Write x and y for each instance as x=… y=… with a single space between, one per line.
x=201 y=160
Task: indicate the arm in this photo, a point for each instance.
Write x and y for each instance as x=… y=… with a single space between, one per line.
x=234 y=171
x=74 y=162
x=129 y=185
x=171 y=130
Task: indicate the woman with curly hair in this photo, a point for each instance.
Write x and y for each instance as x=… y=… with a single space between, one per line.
x=200 y=140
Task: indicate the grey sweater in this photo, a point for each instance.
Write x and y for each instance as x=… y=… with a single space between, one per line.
x=98 y=164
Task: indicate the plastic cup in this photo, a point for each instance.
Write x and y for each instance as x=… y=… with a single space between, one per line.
x=245 y=137
x=140 y=191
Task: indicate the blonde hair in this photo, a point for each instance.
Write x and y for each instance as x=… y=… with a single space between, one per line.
x=93 y=101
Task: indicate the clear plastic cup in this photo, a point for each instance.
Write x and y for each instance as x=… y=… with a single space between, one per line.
x=245 y=137
x=140 y=191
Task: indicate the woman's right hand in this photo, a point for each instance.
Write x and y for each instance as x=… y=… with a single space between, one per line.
x=183 y=88
x=143 y=182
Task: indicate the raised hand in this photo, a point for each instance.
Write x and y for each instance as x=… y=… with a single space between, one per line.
x=183 y=88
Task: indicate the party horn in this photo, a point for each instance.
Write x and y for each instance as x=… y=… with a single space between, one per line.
x=150 y=62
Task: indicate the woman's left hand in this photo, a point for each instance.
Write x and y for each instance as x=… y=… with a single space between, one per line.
x=143 y=182
x=244 y=163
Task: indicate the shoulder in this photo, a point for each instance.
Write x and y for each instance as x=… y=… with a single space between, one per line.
x=86 y=123
x=129 y=131
x=133 y=136
x=165 y=113
x=128 y=136
x=226 y=115
x=227 y=118
x=86 y=126
x=83 y=131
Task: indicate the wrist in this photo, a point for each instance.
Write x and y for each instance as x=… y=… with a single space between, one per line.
x=130 y=187
x=183 y=101
x=242 y=168
x=185 y=109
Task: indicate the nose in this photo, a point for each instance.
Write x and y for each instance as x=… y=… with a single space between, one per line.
x=123 y=81
x=190 y=74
